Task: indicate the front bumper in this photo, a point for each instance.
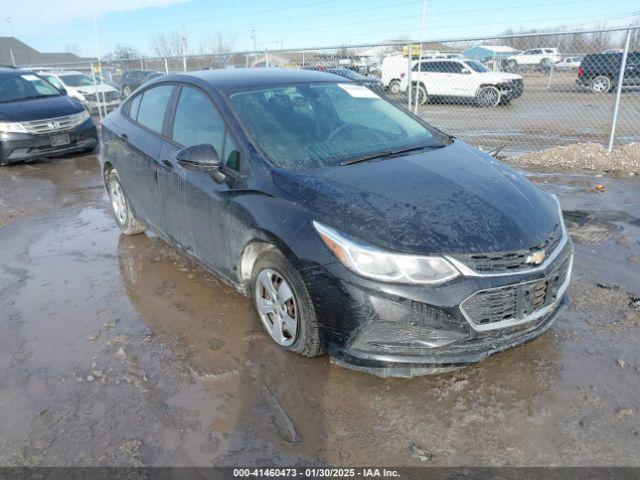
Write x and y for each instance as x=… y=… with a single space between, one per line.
x=512 y=89
x=18 y=147
x=408 y=330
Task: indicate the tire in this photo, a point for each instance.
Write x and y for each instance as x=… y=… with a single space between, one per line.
x=601 y=84
x=421 y=91
x=394 y=87
x=126 y=91
x=272 y=268
x=488 y=96
x=128 y=223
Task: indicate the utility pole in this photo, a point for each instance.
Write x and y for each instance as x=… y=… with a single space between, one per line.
x=184 y=48
x=422 y=20
x=253 y=41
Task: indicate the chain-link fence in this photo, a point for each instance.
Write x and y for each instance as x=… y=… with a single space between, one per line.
x=520 y=93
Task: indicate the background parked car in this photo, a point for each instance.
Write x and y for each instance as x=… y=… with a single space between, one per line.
x=541 y=57
x=39 y=120
x=132 y=79
x=599 y=71
x=370 y=82
x=568 y=63
x=89 y=91
x=463 y=79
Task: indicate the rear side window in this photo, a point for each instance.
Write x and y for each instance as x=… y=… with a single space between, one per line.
x=153 y=106
x=133 y=107
x=197 y=121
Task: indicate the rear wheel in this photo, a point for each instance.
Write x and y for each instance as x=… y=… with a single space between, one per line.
x=128 y=223
x=284 y=305
x=601 y=84
x=394 y=87
x=488 y=96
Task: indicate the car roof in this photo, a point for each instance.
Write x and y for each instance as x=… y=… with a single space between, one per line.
x=14 y=70
x=60 y=72
x=241 y=78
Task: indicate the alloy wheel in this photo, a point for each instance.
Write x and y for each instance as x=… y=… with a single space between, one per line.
x=277 y=307
x=488 y=97
x=600 y=85
x=118 y=202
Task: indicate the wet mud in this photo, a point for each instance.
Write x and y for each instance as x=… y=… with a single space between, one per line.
x=118 y=350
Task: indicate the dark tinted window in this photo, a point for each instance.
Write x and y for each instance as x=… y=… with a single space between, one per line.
x=152 y=107
x=197 y=121
x=231 y=153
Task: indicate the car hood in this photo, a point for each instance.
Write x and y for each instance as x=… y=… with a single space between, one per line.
x=92 y=88
x=453 y=199
x=39 y=108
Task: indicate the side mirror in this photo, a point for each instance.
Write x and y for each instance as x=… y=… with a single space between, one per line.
x=201 y=158
x=63 y=91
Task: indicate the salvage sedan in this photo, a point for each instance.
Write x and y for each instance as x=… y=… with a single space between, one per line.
x=359 y=230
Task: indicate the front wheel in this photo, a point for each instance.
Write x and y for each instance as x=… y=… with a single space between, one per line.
x=600 y=84
x=284 y=304
x=421 y=92
x=128 y=223
x=488 y=96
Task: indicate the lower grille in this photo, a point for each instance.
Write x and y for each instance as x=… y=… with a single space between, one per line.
x=515 y=303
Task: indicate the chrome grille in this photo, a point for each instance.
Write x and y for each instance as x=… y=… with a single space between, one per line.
x=515 y=303
x=503 y=262
x=51 y=125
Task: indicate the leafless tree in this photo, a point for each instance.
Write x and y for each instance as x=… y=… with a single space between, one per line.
x=167 y=44
x=123 y=52
x=218 y=49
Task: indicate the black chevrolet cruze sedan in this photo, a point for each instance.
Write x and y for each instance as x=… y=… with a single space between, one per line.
x=38 y=120
x=359 y=230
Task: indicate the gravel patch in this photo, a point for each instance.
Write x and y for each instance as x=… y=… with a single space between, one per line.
x=583 y=156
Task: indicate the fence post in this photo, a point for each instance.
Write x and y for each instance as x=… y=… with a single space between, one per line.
x=166 y=66
x=184 y=63
x=409 y=86
x=616 y=105
x=266 y=59
x=141 y=65
x=95 y=86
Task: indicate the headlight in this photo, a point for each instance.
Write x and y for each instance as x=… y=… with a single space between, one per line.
x=82 y=117
x=373 y=263
x=12 y=127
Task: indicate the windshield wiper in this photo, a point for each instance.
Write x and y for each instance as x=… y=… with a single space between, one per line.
x=386 y=153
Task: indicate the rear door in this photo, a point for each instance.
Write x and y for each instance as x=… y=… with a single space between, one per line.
x=194 y=205
x=140 y=139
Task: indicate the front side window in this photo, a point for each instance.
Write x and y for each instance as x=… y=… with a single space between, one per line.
x=477 y=66
x=197 y=121
x=153 y=106
x=15 y=88
x=321 y=125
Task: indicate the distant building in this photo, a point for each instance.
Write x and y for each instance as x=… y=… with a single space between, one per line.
x=483 y=53
x=15 y=52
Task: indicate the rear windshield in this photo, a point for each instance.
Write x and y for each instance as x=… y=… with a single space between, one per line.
x=320 y=125
x=14 y=88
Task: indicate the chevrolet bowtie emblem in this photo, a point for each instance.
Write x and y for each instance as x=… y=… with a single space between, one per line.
x=535 y=258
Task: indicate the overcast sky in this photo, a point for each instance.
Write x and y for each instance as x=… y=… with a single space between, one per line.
x=55 y=25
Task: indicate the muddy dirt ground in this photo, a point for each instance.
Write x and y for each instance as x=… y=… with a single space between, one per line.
x=119 y=351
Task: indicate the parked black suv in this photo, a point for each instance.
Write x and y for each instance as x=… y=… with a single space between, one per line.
x=599 y=71
x=38 y=120
x=132 y=79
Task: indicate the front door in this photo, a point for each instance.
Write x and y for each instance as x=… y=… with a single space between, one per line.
x=194 y=204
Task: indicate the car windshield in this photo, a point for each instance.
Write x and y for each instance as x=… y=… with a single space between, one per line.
x=477 y=66
x=320 y=125
x=14 y=88
x=76 y=80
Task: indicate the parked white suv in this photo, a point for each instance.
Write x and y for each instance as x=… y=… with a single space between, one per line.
x=396 y=65
x=81 y=87
x=542 y=57
x=462 y=79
